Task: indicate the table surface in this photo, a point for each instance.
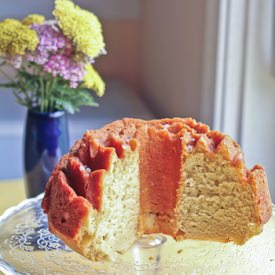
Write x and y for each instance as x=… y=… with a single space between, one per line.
x=11 y=193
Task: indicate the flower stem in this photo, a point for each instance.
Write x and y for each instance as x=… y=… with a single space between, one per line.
x=42 y=102
x=54 y=82
x=47 y=96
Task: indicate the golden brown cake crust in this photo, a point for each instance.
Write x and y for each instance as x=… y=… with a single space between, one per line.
x=66 y=211
x=75 y=186
x=257 y=178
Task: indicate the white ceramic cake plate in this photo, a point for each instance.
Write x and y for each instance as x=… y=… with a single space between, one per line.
x=27 y=247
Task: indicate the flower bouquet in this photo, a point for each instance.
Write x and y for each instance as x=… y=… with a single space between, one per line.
x=53 y=58
x=52 y=61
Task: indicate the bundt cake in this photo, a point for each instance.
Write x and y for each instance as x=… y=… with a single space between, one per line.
x=170 y=176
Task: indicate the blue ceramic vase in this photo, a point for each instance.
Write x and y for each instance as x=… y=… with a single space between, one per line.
x=46 y=140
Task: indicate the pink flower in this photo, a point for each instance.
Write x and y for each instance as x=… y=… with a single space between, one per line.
x=63 y=66
x=55 y=53
x=51 y=40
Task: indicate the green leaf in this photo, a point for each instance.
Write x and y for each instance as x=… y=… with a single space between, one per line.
x=57 y=94
x=9 y=85
x=66 y=105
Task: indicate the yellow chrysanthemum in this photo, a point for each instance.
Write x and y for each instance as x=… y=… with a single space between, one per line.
x=16 y=38
x=81 y=26
x=33 y=19
x=93 y=81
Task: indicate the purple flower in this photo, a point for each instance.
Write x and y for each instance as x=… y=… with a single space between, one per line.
x=55 y=53
x=63 y=66
x=51 y=40
x=38 y=57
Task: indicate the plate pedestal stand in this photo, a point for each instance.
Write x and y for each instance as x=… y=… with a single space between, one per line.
x=147 y=253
